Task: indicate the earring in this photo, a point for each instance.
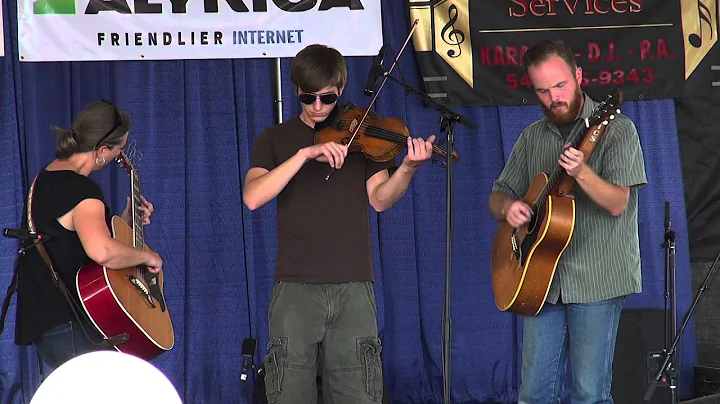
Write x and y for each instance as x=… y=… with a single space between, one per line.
x=98 y=163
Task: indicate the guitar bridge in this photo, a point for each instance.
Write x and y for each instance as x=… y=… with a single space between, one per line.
x=141 y=289
x=516 y=249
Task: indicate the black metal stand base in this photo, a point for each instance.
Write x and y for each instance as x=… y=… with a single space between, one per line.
x=669 y=369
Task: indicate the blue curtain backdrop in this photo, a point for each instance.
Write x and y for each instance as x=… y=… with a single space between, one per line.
x=194 y=123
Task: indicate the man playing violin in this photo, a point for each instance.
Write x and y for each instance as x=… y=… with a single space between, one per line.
x=601 y=264
x=323 y=309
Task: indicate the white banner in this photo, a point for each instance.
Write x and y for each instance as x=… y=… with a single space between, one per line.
x=77 y=30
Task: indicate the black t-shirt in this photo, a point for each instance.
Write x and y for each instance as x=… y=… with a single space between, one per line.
x=40 y=305
x=323 y=226
x=566 y=130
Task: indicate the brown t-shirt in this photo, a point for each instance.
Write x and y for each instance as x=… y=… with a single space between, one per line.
x=323 y=226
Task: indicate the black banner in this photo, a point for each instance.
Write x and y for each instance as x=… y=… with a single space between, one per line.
x=470 y=52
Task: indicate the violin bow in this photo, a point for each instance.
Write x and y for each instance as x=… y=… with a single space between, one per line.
x=382 y=84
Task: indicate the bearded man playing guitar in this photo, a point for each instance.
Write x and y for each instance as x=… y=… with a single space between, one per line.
x=601 y=264
x=323 y=305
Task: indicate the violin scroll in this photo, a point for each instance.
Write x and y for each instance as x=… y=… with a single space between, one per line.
x=443 y=153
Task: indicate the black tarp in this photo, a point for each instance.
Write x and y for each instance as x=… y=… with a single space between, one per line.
x=698 y=125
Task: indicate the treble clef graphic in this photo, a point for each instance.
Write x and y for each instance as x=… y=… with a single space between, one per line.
x=455 y=37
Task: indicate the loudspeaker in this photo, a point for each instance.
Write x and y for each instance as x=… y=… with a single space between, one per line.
x=707 y=381
x=638 y=356
x=707 y=316
x=714 y=399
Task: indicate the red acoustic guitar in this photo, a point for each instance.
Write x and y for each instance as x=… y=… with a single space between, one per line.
x=130 y=300
x=524 y=260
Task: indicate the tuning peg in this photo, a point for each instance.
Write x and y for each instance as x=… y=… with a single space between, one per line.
x=618 y=111
x=612 y=117
x=605 y=122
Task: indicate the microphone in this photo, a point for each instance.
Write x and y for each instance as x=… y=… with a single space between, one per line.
x=375 y=72
x=248 y=350
x=667 y=216
x=23 y=234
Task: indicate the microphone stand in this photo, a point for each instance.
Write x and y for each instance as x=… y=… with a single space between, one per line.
x=23 y=250
x=670 y=312
x=668 y=368
x=258 y=372
x=447 y=123
x=12 y=288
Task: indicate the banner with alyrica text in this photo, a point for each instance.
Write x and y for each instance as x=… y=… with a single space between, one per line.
x=79 y=30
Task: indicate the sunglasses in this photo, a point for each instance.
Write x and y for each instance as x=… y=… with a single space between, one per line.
x=118 y=122
x=309 y=98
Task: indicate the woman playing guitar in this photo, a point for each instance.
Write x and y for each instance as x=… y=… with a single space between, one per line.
x=69 y=209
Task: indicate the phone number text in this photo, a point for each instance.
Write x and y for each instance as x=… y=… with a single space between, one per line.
x=603 y=77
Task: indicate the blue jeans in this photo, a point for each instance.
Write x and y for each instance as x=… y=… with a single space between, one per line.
x=64 y=342
x=585 y=335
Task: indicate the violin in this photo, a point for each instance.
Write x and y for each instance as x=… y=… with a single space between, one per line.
x=378 y=138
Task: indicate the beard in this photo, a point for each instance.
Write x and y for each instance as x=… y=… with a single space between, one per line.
x=567 y=116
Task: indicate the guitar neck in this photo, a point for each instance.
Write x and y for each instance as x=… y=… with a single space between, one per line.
x=585 y=136
x=137 y=216
x=558 y=172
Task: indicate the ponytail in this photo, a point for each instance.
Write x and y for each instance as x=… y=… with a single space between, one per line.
x=67 y=145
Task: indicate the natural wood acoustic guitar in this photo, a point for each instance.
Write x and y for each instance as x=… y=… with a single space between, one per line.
x=524 y=259
x=128 y=301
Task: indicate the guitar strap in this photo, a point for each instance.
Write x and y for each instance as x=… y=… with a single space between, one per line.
x=8 y=295
x=106 y=342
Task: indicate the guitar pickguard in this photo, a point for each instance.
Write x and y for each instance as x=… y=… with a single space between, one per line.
x=532 y=236
x=153 y=282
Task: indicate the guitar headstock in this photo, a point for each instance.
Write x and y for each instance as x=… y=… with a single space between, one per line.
x=125 y=162
x=607 y=109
